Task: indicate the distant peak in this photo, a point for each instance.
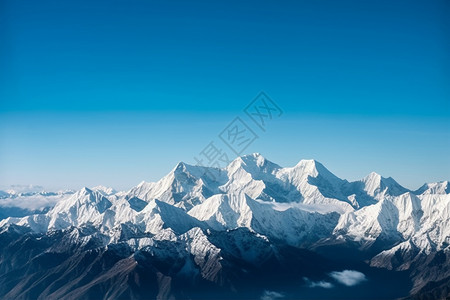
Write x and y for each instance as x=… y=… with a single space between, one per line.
x=440 y=187
x=311 y=166
x=372 y=176
x=307 y=162
x=142 y=183
x=253 y=161
x=254 y=164
x=180 y=167
x=375 y=184
x=85 y=191
x=183 y=169
x=104 y=190
x=254 y=157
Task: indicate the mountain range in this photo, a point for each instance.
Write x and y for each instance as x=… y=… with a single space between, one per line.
x=251 y=230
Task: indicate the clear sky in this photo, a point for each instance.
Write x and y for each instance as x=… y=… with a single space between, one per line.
x=116 y=92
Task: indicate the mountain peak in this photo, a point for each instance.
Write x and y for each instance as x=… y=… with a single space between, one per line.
x=183 y=169
x=181 y=166
x=105 y=191
x=84 y=196
x=308 y=163
x=85 y=191
x=255 y=158
x=254 y=155
x=313 y=168
x=441 y=187
x=253 y=163
x=372 y=177
x=375 y=184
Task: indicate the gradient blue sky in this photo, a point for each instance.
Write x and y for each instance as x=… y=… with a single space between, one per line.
x=116 y=92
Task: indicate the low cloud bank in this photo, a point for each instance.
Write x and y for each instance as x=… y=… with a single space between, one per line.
x=271 y=295
x=321 y=284
x=348 y=277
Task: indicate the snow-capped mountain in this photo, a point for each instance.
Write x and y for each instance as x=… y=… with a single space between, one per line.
x=442 y=188
x=305 y=207
x=105 y=191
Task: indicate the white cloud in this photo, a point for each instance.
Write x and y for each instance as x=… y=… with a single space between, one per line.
x=271 y=295
x=321 y=284
x=32 y=203
x=32 y=200
x=348 y=277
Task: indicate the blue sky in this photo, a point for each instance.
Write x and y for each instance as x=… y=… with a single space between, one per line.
x=115 y=92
